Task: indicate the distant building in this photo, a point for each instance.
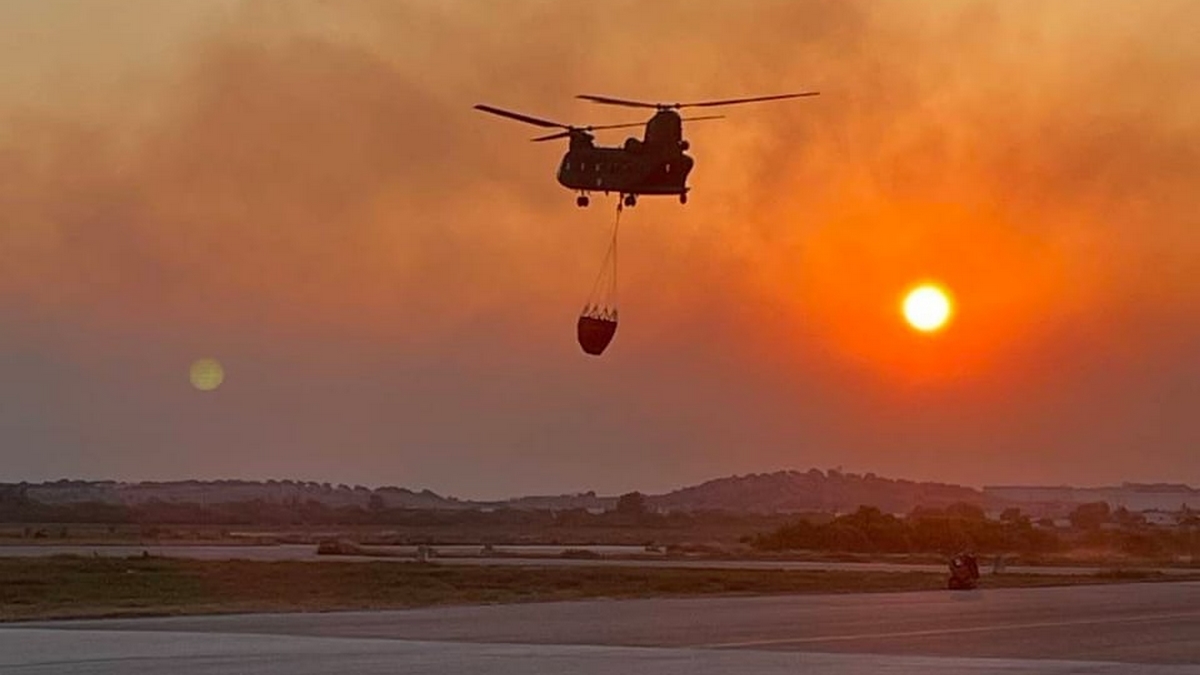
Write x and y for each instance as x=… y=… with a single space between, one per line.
x=1160 y=518
x=1132 y=496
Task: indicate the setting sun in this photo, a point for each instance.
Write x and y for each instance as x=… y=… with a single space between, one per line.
x=927 y=308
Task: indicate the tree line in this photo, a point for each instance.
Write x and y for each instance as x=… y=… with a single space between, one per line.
x=962 y=527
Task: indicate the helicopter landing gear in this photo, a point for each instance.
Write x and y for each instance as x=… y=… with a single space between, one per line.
x=630 y=200
x=581 y=201
x=682 y=197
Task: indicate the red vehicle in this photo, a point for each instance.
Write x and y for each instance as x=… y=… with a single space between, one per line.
x=964 y=572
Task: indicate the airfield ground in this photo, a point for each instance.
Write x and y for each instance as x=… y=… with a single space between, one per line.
x=73 y=586
x=1150 y=629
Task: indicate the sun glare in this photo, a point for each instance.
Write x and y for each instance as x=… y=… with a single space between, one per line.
x=927 y=308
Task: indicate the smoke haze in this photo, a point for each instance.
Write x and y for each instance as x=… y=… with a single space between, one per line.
x=390 y=278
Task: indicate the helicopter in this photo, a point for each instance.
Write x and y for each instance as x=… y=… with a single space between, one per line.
x=656 y=164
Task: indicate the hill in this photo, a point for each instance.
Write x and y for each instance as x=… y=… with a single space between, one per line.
x=794 y=491
x=779 y=492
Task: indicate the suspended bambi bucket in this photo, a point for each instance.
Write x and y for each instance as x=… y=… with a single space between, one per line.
x=598 y=322
x=596 y=330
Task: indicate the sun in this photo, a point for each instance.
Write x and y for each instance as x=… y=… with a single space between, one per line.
x=927 y=308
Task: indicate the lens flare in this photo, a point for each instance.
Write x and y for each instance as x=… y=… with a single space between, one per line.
x=206 y=374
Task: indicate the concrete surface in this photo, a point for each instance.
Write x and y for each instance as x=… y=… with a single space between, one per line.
x=468 y=555
x=1129 y=628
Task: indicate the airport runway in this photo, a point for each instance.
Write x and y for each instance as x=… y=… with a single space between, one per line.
x=1130 y=628
x=522 y=556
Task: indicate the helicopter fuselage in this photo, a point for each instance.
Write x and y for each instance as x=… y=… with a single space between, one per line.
x=625 y=171
x=656 y=164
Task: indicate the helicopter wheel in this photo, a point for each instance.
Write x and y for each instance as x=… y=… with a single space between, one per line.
x=631 y=200
x=581 y=201
x=683 y=198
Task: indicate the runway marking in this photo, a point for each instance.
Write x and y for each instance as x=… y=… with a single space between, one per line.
x=1144 y=618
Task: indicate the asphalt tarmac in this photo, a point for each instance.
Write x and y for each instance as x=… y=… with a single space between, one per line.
x=1149 y=628
x=520 y=556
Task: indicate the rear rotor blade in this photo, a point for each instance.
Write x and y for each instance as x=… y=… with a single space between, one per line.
x=701 y=118
x=607 y=100
x=551 y=137
x=617 y=101
x=626 y=125
x=753 y=99
x=564 y=134
x=521 y=118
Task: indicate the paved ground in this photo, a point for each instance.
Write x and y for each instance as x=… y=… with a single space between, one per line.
x=284 y=551
x=537 y=556
x=1131 y=628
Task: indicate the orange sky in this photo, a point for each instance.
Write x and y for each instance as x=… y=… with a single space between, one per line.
x=302 y=190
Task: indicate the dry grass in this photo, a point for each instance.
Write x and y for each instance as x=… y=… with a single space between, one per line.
x=66 y=586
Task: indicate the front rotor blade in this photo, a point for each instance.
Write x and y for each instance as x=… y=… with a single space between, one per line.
x=616 y=101
x=521 y=118
x=753 y=99
x=701 y=118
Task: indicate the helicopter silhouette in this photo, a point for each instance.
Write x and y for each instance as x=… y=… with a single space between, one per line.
x=656 y=164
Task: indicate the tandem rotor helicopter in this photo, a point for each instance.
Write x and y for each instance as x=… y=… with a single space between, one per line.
x=656 y=164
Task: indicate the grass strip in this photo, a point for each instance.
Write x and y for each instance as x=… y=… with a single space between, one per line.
x=77 y=587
